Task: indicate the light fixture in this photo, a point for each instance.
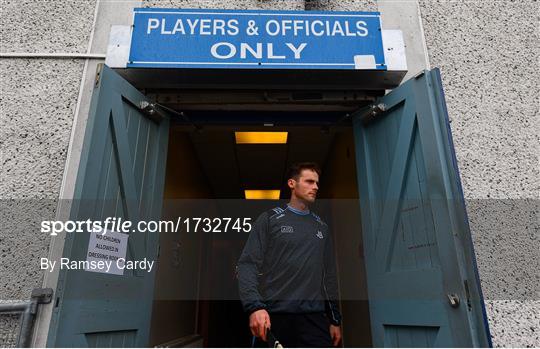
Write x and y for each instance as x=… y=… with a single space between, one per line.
x=261 y=137
x=262 y=194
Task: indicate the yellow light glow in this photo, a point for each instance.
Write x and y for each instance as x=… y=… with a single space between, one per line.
x=261 y=137
x=262 y=194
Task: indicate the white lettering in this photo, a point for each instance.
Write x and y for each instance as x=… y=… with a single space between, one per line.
x=244 y=47
x=46 y=227
x=296 y=50
x=214 y=49
x=313 y=30
x=70 y=226
x=45 y=264
x=270 y=49
x=192 y=25
x=361 y=28
x=285 y=26
x=274 y=23
x=337 y=28
x=195 y=26
x=163 y=31
x=347 y=30
x=153 y=23
x=219 y=25
x=64 y=263
x=179 y=27
x=143 y=264
x=205 y=26
x=297 y=26
x=233 y=27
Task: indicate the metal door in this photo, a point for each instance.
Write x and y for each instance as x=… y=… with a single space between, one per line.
x=121 y=174
x=421 y=273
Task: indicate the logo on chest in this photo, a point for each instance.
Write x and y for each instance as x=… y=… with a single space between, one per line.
x=319 y=234
x=287 y=229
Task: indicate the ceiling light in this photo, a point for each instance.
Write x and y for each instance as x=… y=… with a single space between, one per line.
x=262 y=194
x=261 y=137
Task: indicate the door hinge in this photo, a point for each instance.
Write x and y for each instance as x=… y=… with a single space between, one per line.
x=152 y=111
x=42 y=295
x=372 y=112
x=453 y=299
x=467 y=295
x=419 y=74
x=99 y=70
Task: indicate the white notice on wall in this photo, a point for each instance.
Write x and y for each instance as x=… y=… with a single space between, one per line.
x=104 y=250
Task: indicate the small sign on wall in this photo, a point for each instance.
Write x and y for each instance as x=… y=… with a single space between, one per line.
x=104 y=250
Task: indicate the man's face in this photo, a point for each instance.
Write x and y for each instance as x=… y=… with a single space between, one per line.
x=306 y=187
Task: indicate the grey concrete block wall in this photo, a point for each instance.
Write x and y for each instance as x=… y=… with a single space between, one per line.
x=45 y=26
x=37 y=100
x=9 y=330
x=488 y=55
x=37 y=103
x=343 y=5
x=506 y=241
x=228 y=4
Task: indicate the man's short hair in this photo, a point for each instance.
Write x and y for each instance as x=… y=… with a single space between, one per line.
x=296 y=169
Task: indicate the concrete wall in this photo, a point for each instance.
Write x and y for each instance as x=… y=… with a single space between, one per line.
x=488 y=54
x=38 y=98
x=228 y=4
x=37 y=103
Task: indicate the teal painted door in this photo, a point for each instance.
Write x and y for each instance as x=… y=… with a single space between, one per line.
x=422 y=281
x=121 y=174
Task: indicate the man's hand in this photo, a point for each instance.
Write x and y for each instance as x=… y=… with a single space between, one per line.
x=259 y=321
x=335 y=333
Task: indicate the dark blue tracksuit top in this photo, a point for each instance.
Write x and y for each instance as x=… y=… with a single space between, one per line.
x=288 y=265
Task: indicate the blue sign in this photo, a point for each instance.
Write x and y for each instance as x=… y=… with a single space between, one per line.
x=174 y=38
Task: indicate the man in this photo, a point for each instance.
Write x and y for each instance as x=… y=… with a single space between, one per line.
x=286 y=273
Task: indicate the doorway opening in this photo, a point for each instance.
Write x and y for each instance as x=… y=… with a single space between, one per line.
x=196 y=299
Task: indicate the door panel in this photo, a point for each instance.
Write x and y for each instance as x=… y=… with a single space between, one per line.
x=121 y=174
x=417 y=240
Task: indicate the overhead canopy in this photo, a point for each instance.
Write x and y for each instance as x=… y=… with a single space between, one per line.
x=275 y=79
